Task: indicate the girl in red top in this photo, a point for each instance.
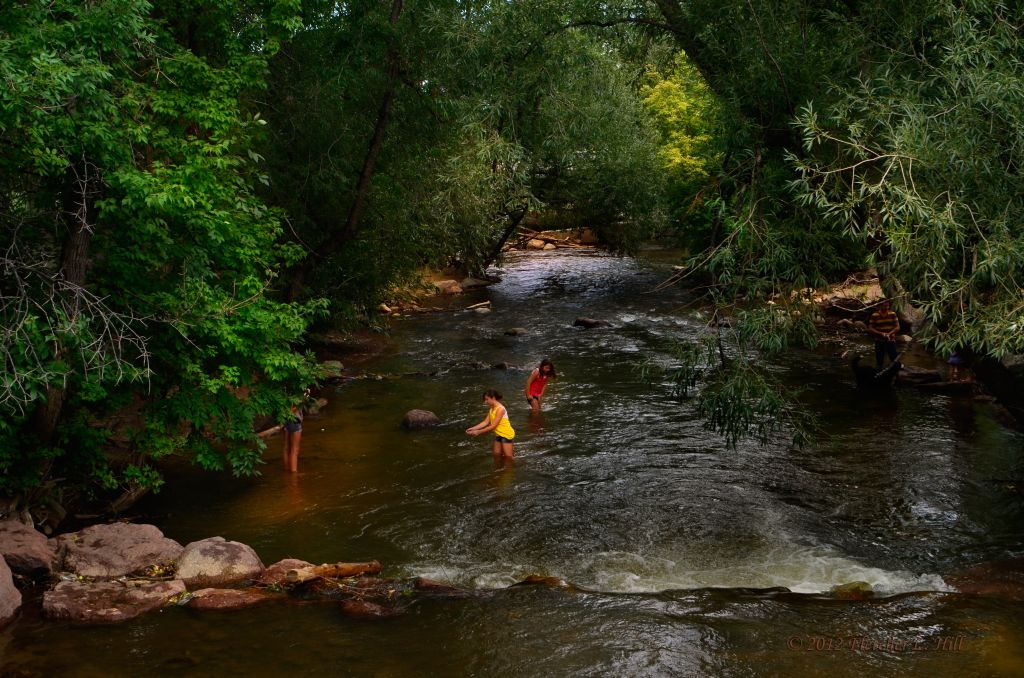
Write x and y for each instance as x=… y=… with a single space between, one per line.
x=537 y=382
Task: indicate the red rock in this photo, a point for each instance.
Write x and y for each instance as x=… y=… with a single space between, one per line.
x=26 y=550
x=230 y=599
x=10 y=597
x=540 y=580
x=275 y=574
x=114 y=550
x=429 y=585
x=107 y=602
x=1000 y=579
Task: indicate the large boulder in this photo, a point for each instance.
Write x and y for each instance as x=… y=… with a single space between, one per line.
x=417 y=419
x=26 y=550
x=911 y=318
x=448 y=287
x=10 y=597
x=107 y=602
x=114 y=550
x=217 y=562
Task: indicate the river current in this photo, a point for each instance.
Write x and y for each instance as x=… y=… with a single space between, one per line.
x=669 y=538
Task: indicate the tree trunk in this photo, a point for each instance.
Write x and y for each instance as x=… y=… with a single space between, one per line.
x=79 y=197
x=517 y=219
x=350 y=228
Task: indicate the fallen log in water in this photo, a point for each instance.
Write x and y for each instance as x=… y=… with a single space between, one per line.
x=331 y=571
x=527 y=234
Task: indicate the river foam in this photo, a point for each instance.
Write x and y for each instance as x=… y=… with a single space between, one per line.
x=800 y=569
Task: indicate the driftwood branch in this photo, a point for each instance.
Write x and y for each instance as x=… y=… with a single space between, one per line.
x=527 y=234
x=331 y=571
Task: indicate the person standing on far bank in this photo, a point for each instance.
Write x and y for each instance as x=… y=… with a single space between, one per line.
x=883 y=326
x=537 y=382
x=497 y=421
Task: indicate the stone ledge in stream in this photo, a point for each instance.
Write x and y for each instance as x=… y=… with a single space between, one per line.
x=1001 y=579
x=108 y=602
x=114 y=550
x=230 y=599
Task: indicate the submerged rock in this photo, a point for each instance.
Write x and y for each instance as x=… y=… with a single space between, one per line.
x=107 y=602
x=854 y=590
x=114 y=550
x=417 y=419
x=362 y=609
x=430 y=586
x=1000 y=579
x=218 y=562
x=541 y=580
x=516 y=331
x=230 y=599
x=10 y=597
x=26 y=550
x=590 y=323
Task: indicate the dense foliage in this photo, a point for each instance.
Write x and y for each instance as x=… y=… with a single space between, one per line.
x=185 y=187
x=137 y=259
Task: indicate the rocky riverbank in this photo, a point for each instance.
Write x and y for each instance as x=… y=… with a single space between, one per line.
x=116 y=572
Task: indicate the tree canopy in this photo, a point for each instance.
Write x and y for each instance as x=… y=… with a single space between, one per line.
x=186 y=187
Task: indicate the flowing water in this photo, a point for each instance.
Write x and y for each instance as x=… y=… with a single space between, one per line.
x=669 y=538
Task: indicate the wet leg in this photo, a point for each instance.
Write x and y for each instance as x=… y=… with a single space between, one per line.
x=293 y=452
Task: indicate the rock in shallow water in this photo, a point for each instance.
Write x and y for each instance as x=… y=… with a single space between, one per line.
x=10 y=597
x=275 y=575
x=107 y=602
x=26 y=550
x=230 y=599
x=416 y=419
x=854 y=590
x=218 y=562
x=114 y=550
x=590 y=323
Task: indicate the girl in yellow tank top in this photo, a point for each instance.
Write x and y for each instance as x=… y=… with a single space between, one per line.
x=497 y=421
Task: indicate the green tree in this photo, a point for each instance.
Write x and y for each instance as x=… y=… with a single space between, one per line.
x=137 y=258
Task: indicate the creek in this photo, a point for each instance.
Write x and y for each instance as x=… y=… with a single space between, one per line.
x=671 y=539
